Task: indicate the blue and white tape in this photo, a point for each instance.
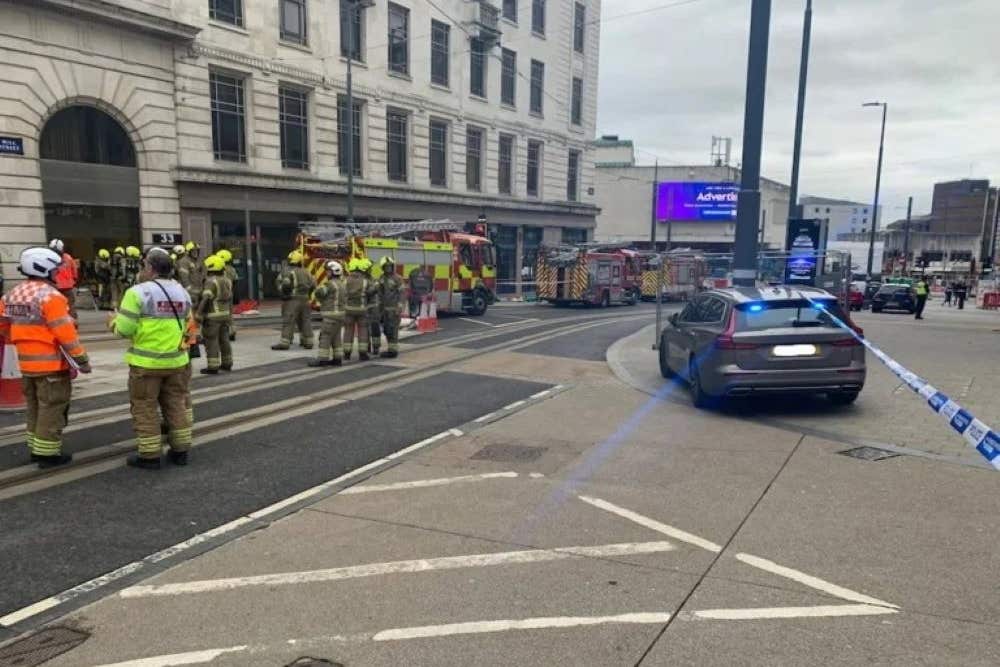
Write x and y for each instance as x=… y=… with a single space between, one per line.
x=979 y=435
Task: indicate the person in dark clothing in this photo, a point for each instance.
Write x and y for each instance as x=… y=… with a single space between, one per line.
x=922 y=290
x=947 y=294
x=961 y=291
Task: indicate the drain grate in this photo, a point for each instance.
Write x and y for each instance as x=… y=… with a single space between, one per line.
x=41 y=647
x=869 y=453
x=313 y=662
x=502 y=453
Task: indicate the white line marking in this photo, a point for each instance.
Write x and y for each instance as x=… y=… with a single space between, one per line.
x=535 y=475
x=399 y=567
x=792 y=612
x=652 y=524
x=541 y=393
x=810 y=581
x=198 y=539
x=191 y=658
x=319 y=488
x=479 y=322
x=515 y=404
x=425 y=483
x=478 y=627
x=486 y=417
x=29 y=611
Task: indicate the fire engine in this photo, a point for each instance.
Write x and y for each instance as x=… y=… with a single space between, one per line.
x=459 y=267
x=683 y=276
x=590 y=274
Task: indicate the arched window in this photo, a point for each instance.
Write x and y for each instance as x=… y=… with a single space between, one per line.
x=86 y=134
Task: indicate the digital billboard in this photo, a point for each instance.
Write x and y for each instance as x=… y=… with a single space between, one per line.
x=696 y=201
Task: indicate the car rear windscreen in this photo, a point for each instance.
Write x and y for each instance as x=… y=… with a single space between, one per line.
x=892 y=289
x=787 y=314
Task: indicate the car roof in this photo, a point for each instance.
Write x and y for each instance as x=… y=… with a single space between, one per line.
x=771 y=293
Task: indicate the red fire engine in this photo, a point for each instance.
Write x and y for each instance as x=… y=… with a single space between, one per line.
x=591 y=274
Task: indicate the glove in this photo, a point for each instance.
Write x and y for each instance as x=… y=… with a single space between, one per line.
x=85 y=368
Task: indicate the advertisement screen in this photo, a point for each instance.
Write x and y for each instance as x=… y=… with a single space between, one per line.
x=696 y=201
x=802 y=244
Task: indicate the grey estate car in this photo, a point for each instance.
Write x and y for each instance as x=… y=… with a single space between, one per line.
x=745 y=341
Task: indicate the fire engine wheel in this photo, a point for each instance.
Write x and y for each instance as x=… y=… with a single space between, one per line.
x=479 y=303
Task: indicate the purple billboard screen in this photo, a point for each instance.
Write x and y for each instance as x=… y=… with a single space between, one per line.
x=696 y=201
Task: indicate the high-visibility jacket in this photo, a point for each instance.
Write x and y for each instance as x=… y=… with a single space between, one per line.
x=217 y=298
x=146 y=316
x=35 y=317
x=358 y=293
x=921 y=288
x=67 y=274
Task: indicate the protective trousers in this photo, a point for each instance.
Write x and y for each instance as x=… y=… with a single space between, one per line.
x=390 y=325
x=375 y=332
x=47 y=398
x=295 y=315
x=117 y=290
x=70 y=295
x=352 y=321
x=218 y=349
x=152 y=391
x=331 y=339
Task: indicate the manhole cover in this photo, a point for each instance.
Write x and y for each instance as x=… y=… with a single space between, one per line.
x=869 y=453
x=41 y=647
x=509 y=453
x=313 y=662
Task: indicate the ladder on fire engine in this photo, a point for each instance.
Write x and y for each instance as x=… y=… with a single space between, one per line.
x=337 y=231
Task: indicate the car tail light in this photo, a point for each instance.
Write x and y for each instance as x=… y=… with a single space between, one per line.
x=846 y=342
x=724 y=341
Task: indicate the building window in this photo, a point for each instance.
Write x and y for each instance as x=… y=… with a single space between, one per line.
x=505 y=165
x=351 y=32
x=864 y=220
x=579 y=26
x=510 y=10
x=226 y=11
x=293 y=116
x=293 y=21
x=474 y=159
x=508 y=77
x=439 y=152
x=399 y=38
x=228 y=117
x=534 y=167
x=573 y=176
x=477 y=67
x=866 y=210
x=576 y=109
x=342 y=135
x=396 y=138
x=537 y=85
x=538 y=16
x=440 y=52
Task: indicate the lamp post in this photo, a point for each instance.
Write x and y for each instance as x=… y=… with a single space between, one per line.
x=878 y=182
x=793 y=199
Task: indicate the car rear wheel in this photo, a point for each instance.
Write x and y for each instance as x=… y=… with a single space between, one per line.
x=843 y=397
x=665 y=369
x=701 y=399
x=876 y=310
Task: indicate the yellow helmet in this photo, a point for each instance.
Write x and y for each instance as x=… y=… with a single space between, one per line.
x=214 y=263
x=366 y=265
x=132 y=251
x=295 y=257
x=173 y=257
x=191 y=245
x=103 y=253
x=225 y=255
x=387 y=261
x=119 y=250
x=356 y=264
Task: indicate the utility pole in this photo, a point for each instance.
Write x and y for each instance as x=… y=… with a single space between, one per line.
x=352 y=7
x=878 y=182
x=906 y=232
x=652 y=212
x=993 y=236
x=748 y=207
x=793 y=199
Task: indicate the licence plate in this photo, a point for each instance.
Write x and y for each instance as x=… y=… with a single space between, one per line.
x=795 y=350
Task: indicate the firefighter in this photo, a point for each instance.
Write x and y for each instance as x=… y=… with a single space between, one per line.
x=67 y=275
x=215 y=313
x=357 y=292
x=197 y=270
x=156 y=316
x=295 y=284
x=35 y=317
x=102 y=272
x=234 y=276
x=183 y=269
x=133 y=265
x=374 y=311
x=390 y=296
x=330 y=296
x=118 y=270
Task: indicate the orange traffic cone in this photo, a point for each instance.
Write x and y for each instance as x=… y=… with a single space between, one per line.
x=11 y=394
x=427 y=321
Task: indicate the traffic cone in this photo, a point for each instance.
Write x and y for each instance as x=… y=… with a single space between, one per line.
x=11 y=393
x=427 y=321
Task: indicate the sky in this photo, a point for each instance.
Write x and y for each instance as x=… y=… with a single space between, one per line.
x=673 y=77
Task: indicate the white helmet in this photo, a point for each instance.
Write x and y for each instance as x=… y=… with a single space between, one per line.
x=57 y=245
x=39 y=262
x=334 y=268
x=179 y=250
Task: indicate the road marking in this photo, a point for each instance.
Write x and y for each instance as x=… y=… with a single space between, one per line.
x=653 y=524
x=515 y=404
x=399 y=567
x=810 y=581
x=541 y=393
x=479 y=322
x=29 y=611
x=479 y=627
x=486 y=417
x=191 y=658
x=425 y=483
x=820 y=611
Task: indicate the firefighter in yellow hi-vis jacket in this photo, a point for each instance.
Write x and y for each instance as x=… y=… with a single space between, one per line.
x=330 y=296
x=295 y=284
x=390 y=292
x=358 y=290
x=214 y=313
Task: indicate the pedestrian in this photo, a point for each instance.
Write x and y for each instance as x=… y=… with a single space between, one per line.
x=961 y=292
x=330 y=296
x=67 y=275
x=357 y=292
x=295 y=284
x=921 y=289
x=35 y=317
x=390 y=294
x=102 y=274
x=947 y=294
x=215 y=313
x=156 y=316
x=233 y=276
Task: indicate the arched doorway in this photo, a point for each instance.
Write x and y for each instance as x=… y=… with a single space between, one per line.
x=90 y=182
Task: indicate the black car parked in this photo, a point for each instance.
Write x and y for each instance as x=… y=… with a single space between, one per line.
x=895 y=297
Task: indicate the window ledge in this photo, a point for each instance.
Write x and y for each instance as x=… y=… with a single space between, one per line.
x=441 y=87
x=576 y=129
x=539 y=35
x=229 y=27
x=294 y=45
x=512 y=22
x=354 y=62
x=537 y=114
x=508 y=107
x=399 y=75
x=478 y=98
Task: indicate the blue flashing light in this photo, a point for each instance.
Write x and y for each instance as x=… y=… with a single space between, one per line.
x=756 y=307
x=818 y=305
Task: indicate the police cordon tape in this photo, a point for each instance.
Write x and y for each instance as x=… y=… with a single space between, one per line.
x=980 y=436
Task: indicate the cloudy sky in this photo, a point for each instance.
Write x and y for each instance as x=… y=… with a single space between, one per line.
x=673 y=77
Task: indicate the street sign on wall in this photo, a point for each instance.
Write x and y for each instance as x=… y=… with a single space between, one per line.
x=11 y=146
x=696 y=201
x=167 y=238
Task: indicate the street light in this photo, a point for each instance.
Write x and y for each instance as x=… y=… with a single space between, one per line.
x=878 y=182
x=353 y=7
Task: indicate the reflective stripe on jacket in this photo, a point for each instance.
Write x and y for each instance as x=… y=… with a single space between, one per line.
x=357 y=290
x=35 y=317
x=330 y=296
x=67 y=274
x=217 y=298
x=145 y=315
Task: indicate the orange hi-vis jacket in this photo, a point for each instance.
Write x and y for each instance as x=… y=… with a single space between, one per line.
x=67 y=275
x=34 y=316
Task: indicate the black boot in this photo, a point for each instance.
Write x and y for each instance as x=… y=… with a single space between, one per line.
x=226 y=368
x=317 y=363
x=209 y=371
x=232 y=336
x=363 y=356
x=337 y=362
x=386 y=355
x=52 y=461
x=178 y=458
x=279 y=346
x=137 y=461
